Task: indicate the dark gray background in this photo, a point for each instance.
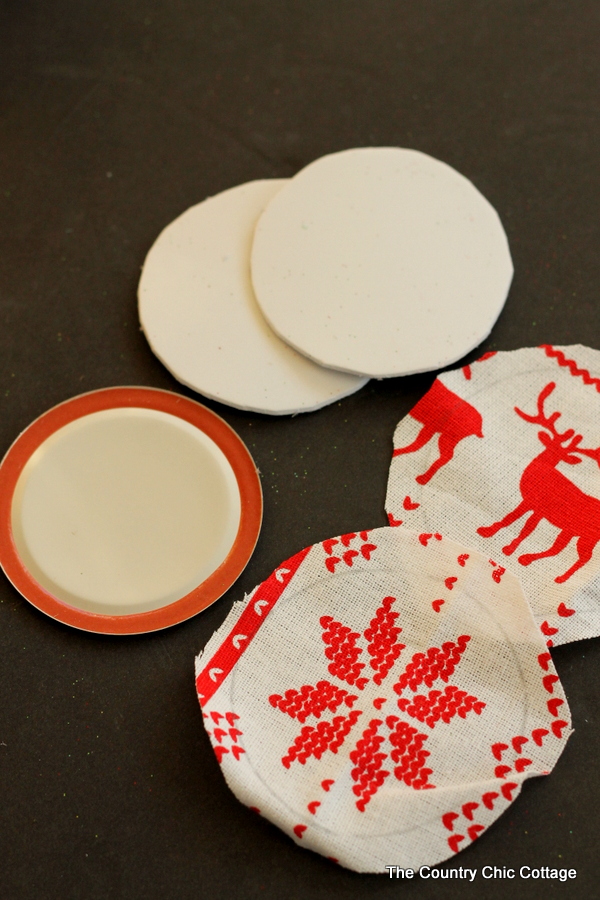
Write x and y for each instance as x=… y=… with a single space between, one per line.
x=115 y=116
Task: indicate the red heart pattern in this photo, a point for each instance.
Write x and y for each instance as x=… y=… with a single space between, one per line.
x=474 y=831
x=564 y=611
x=518 y=742
x=553 y=705
x=498 y=749
x=454 y=841
x=468 y=809
x=508 y=788
x=543 y=660
x=488 y=799
x=448 y=820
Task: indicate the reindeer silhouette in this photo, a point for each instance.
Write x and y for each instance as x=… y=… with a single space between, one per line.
x=548 y=494
x=442 y=412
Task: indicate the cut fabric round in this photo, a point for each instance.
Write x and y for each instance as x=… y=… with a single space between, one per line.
x=504 y=455
x=200 y=316
x=381 y=261
x=381 y=697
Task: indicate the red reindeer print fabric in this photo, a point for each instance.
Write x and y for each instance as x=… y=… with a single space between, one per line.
x=387 y=707
x=504 y=456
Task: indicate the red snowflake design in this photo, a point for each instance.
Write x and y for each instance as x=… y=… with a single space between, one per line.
x=389 y=741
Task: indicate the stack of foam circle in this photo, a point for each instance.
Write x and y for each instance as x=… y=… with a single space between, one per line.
x=282 y=296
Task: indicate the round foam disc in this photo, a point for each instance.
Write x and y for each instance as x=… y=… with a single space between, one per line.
x=381 y=261
x=200 y=316
x=382 y=696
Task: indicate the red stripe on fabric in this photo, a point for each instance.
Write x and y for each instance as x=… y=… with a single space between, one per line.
x=571 y=365
x=240 y=637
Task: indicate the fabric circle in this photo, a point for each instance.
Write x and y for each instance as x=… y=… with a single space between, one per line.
x=381 y=261
x=381 y=697
x=201 y=319
x=504 y=456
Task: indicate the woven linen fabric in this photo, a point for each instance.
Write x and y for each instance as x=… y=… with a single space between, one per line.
x=504 y=456
x=381 y=697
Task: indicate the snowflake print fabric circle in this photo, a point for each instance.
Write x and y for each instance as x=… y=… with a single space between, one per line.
x=504 y=456
x=382 y=697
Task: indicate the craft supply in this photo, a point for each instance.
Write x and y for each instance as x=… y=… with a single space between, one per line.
x=381 y=261
x=381 y=697
x=126 y=510
x=200 y=316
x=504 y=456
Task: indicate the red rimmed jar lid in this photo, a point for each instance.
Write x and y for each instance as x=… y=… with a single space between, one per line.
x=127 y=510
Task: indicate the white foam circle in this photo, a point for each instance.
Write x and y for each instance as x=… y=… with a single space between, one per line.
x=381 y=261
x=200 y=316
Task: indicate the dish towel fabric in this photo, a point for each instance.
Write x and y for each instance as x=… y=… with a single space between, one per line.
x=382 y=696
x=504 y=456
